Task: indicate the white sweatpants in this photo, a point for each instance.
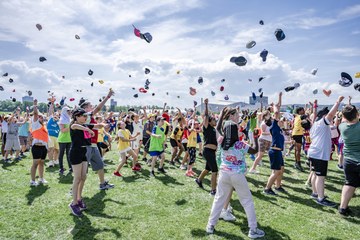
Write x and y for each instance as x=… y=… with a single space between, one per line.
x=227 y=181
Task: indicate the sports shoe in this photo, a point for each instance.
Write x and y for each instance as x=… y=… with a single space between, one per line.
x=75 y=210
x=314 y=196
x=61 y=171
x=172 y=163
x=136 y=169
x=22 y=155
x=42 y=181
x=229 y=208
x=256 y=233
x=254 y=171
x=325 y=202
x=183 y=167
x=280 y=189
x=199 y=183
x=269 y=192
x=82 y=205
x=8 y=160
x=162 y=170
x=189 y=174
x=17 y=158
x=56 y=162
x=298 y=167
x=33 y=183
x=152 y=174
x=210 y=229
x=51 y=163
x=106 y=185
x=226 y=215
x=213 y=192
x=340 y=167
x=345 y=211
x=117 y=174
x=177 y=160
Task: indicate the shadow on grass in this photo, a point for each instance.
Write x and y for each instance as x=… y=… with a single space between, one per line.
x=144 y=174
x=83 y=229
x=35 y=192
x=167 y=179
x=66 y=179
x=181 y=202
x=200 y=233
x=6 y=165
x=96 y=205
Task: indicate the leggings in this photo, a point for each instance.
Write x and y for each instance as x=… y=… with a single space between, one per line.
x=192 y=155
x=64 y=147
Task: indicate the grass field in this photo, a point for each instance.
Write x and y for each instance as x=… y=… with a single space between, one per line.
x=170 y=206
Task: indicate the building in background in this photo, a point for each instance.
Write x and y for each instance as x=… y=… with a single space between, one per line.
x=113 y=104
x=264 y=100
x=27 y=99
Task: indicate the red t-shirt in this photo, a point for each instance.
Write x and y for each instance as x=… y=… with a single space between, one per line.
x=95 y=137
x=166 y=116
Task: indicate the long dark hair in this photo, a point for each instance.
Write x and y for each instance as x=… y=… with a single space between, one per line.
x=229 y=129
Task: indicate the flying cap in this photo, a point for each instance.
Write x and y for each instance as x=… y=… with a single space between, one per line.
x=249 y=80
x=101 y=81
x=192 y=91
x=142 y=90
x=261 y=95
x=357 y=75
x=5 y=74
x=136 y=31
x=264 y=54
x=357 y=87
x=315 y=91
x=11 y=80
x=92 y=84
x=147 y=71
x=195 y=103
x=147 y=36
x=261 y=78
x=346 y=80
x=38 y=26
x=327 y=92
x=260 y=90
x=296 y=85
x=250 y=44
x=72 y=99
x=178 y=72
x=200 y=80
x=90 y=72
x=288 y=89
x=153 y=94
x=261 y=22
x=222 y=80
x=240 y=61
x=77 y=36
x=314 y=71
x=226 y=97
x=14 y=99
x=42 y=59
x=279 y=34
x=212 y=93
x=1 y=88
x=136 y=95
x=253 y=96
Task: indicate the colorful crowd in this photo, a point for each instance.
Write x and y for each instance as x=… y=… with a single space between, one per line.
x=84 y=135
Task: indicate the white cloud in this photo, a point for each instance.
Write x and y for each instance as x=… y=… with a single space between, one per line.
x=346 y=52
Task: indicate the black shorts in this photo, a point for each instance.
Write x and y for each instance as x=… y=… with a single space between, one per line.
x=319 y=166
x=210 y=157
x=146 y=143
x=185 y=146
x=39 y=152
x=173 y=142
x=77 y=155
x=276 y=159
x=298 y=138
x=352 y=173
x=3 y=137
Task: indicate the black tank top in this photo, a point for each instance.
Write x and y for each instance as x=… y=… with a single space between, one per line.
x=209 y=135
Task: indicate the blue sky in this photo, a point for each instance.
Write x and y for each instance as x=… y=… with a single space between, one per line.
x=195 y=37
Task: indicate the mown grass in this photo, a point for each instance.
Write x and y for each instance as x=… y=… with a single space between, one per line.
x=171 y=206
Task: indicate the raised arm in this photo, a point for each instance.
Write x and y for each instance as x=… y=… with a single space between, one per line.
x=101 y=105
x=36 y=112
x=206 y=113
x=277 y=108
x=330 y=116
x=163 y=110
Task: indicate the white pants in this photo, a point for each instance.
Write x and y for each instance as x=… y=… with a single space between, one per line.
x=227 y=181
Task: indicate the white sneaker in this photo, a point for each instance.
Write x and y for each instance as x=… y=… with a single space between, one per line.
x=51 y=163
x=230 y=209
x=56 y=162
x=254 y=171
x=42 y=181
x=33 y=183
x=227 y=216
x=256 y=233
x=183 y=167
x=210 y=229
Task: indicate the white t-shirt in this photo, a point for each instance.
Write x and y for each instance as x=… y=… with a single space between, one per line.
x=334 y=132
x=138 y=128
x=267 y=130
x=320 y=135
x=4 y=126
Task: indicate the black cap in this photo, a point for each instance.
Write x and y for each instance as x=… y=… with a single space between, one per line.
x=78 y=112
x=322 y=113
x=42 y=59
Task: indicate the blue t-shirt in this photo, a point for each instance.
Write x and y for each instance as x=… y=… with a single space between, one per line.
x=24 y=130
x=53 y=128
x=278 y=138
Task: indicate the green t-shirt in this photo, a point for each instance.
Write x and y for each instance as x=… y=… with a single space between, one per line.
x=351 y=136
x=252 y=123
x=156 y=144
x=64 y=137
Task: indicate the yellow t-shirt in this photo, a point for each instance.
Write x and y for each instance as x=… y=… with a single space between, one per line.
x=125 y=134
x=192 y=139
x=100 y=135
x=178 y=134
x=298 y=129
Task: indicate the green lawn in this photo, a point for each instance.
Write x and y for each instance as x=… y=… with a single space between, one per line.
x=170 y=206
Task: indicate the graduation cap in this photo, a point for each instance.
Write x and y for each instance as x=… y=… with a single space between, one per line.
x=38 y=26
x=357 y=75
x=77 y=36
x=42 y=59
x=192 y=91
x=136 y=95
x=240 y=61
x=222 y=80
x=288 y=89
x=296 y=85
x=264 y=54
x=90 y=72
x=356 y=87
x=147 y=71
x=315 y=91
x=212 y=93
x=327 y=92
x=253 y=96
x=250 y=44
x=1 y=88
x=200 y=80
x=226 y=97
x=261 y=78
x=260 y=90
x=92 y=84
x=279 y=34
x=346 y=80
x=261 y=22
x=5 y=74
x=314 y=71
x=11 y=80
x=222 y=88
